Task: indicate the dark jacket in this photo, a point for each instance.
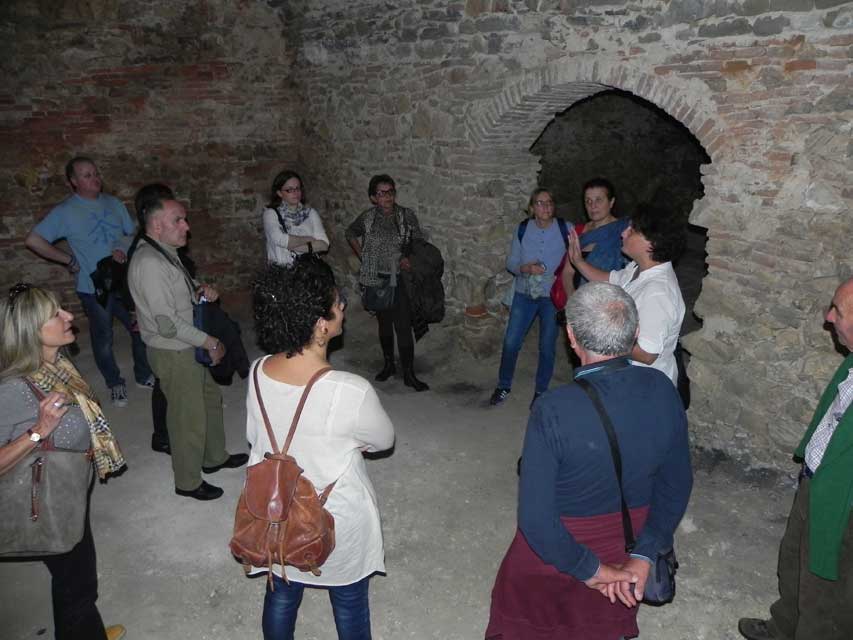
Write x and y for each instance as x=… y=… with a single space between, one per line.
x=219 y=324
x=423 y=285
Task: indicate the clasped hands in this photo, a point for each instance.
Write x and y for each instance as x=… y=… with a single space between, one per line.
x=623 y=582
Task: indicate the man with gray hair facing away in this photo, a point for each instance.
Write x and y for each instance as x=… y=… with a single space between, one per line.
x=569 y=549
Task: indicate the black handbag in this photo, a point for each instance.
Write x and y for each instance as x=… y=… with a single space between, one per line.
x=660 y=585
x=43 y=501
x=379 y=297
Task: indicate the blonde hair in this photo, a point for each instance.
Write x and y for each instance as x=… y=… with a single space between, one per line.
x=535 y=194
x=22 y=315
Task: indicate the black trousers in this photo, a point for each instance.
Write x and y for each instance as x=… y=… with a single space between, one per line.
x=158 y=415
x=397 y=320
x=74 y=588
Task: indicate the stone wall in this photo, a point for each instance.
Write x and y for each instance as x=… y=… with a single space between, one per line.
x=215 y=96
x=645 y=153
x=196 y=94
x=449 y=97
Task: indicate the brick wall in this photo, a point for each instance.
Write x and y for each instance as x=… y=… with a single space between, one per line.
x=199 y=95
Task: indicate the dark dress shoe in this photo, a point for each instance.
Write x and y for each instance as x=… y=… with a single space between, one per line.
x=410 y=380
x=204 y=491
x=755 y=629
x=387 y=371
x=161 y=447
x=231 y=462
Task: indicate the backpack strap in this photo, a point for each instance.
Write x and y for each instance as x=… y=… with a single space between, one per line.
x=296 y=416
x=564 y=230
x=561 y=222
x=522 y=227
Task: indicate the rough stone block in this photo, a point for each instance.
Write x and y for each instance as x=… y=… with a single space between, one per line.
x=791 y=5
x=828 y=4
x=767 y=26
x=736 y=27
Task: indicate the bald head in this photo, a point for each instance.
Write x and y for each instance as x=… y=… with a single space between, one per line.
x=840 y=314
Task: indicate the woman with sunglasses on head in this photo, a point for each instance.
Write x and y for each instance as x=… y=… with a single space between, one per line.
x=380 y=238
x=47 y=404
x=298 y=310
x=291 y=227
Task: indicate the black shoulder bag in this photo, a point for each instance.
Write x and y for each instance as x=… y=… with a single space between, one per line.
x=660 y=586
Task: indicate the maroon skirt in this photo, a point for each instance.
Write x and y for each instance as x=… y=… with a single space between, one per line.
x=531 y=600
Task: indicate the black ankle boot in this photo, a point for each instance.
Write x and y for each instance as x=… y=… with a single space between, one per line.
x=387 y=371
x=410 y=380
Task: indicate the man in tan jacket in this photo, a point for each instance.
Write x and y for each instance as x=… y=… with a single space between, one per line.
x=164 y=294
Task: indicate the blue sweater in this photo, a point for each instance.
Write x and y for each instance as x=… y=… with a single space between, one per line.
x=567 y=468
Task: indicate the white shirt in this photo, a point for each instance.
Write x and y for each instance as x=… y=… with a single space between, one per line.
x=277 y=250
x=341 y=418
x=661 y=309
x=826 y=427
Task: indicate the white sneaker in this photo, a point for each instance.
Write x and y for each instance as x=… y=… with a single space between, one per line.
x=118 y=395
x=148 y=384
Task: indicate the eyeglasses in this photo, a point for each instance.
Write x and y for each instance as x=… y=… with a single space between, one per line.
x=17 y=290
x=544 y=203
x=292 y=189
x=386 y=192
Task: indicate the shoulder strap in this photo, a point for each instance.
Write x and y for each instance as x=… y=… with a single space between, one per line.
x=522 y=227
x=47 y=443
x=590 y=390
x=564 y=230
x=299 y=407
x=280 y=220
x=153 y=244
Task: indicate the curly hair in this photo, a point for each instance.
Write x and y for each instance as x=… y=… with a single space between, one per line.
x=288 y=301
x=666 y=231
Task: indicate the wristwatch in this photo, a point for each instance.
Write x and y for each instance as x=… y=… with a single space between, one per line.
x=35 y=436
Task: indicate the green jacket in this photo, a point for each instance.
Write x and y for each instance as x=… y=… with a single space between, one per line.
x=831 y=490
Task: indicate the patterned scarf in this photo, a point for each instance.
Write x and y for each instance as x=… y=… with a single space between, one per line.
x=62 y=376
x=292 y=216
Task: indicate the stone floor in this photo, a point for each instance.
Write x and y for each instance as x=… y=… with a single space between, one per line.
x=447 y=495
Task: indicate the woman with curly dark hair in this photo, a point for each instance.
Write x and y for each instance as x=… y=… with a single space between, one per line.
x=297 y=310
x=291 y=227
x=653 y=240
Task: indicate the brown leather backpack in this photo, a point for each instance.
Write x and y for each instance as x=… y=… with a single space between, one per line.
x=280 y=518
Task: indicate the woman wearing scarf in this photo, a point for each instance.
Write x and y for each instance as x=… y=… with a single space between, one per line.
x=46 y=401
x=381 y=239
x=290 y=226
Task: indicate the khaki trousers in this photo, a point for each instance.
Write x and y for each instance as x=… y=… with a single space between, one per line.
x=810 y=607
x=193 y=416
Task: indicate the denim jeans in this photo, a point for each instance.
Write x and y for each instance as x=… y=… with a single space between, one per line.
x=101 y=332
x=523 y=312
x=350 y=608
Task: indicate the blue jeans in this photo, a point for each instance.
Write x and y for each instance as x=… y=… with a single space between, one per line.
x=349 y=606
x=101 y=332
x=521 y=316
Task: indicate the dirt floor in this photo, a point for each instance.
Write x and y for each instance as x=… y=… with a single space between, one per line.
x=447 y=496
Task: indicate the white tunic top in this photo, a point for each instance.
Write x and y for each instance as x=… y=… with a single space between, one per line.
x=341 y=418
x=277 y=250
x=661 y=309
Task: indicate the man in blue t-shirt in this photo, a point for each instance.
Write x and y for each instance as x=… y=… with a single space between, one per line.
x=95 y=225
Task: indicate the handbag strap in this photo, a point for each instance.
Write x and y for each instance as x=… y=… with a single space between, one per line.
x=299 y=407
x=46 y=443
x=590 y=390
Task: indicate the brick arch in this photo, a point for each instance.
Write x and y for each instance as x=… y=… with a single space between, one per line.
x=504 y=127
